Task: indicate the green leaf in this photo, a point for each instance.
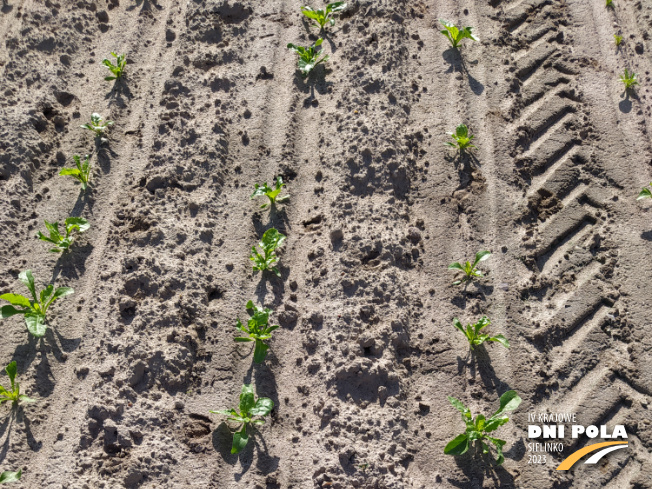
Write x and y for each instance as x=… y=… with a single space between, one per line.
x=461 y=131
x=17 y=300
x=79 y=222
x=35 y=324
x=260 y=351
x=480 y=423
x=240 y=339
x=27 y=278
x=495 y=422
x=481 y=256
x=458 y=445
x=240 y=440
x=646 y=193
x=246 y=399
x=458 y=325
x=226 y=412
x=466 y=412
x=500 y=339
x=45 y=294
x=499 y=448
x=336 y=6
x=456 y=266
x=308 y=12
x=26 y=399
x=509 y=401
x=263 y=407
x=482 y=323
x=8 y=311
x=12 y=370
x=7 y=476
x=70 y=171
x=59 y=293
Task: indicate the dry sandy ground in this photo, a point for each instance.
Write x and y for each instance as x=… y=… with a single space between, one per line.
x=366 y=353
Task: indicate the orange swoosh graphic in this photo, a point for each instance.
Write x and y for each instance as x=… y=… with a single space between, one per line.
x=575 y=456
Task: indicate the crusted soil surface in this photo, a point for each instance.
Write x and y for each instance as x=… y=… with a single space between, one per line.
x=366 y=354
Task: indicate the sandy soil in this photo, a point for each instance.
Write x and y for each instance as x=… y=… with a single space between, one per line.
x=366 y=353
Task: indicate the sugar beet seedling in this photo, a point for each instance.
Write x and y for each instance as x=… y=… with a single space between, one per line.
x=97 y=125
x=63 y=243
x=33 y=310
x=472 y=333
x=270 y=241
x=256 y=330
x=323 y=16
x=470 y=269
x=249 y=408
x=308 y=57
x=116 y=69
x=14 y=396
x=646 y=193
x=462 y=139
x=629 y=79
x=83 y=171
x=477 y=429
x=455 y=34
x=270 y=193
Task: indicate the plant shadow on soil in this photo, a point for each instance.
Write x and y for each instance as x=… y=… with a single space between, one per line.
x=18 y=416
x=481 y=292
x=265 y=463
x=478 y=466
x=465 y=164
x=25 y=354
x=457 y=64
x=478 y=361
x=145 y=5
x=625 y=105
x=119 y=88
x=315 y=81
x=72 y=263
x=647 y=235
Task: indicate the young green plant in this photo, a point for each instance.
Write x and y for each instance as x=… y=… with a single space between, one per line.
x=323 y=16
x=249 y=408
x=308 y=57
x=472 y=333
x=477 y=429
x=83 y=171
x=14 y=396
x=462 y=139
x=116 y=69
x=469 y=269
x=36 y=309
x=256 y=330
x=609 y=3
x=454 y=34
x=63 y=243
x=270 y=193
x=618 y=39
x=97 y=125
x=270 y=241
x=646 y=193
x=629 y=78
x=7 y=477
